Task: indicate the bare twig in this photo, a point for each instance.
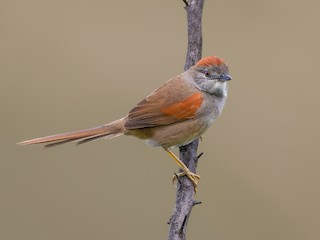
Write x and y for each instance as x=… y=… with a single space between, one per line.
x=188 y=154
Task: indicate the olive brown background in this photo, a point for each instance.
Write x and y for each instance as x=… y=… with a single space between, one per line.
x=68 y=65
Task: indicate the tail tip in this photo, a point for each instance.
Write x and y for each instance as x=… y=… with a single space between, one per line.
x=23 y=143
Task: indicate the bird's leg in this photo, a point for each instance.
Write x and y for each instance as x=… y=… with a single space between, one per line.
x=186 y=172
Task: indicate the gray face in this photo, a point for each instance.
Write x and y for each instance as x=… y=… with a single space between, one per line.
x=213 y=79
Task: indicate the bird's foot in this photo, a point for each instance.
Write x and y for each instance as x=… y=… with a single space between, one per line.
x=194 y=178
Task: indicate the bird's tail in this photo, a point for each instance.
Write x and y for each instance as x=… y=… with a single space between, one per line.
x=111 y=130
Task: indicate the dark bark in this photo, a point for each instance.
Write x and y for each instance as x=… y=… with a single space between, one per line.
x=188 y=154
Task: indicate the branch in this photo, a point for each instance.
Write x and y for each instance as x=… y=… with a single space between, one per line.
x=188 y=154
x=194 y=16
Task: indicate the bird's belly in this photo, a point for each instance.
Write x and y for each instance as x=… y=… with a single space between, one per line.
x=178 y=134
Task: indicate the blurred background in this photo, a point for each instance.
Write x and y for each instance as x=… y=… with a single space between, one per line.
x=68 y=65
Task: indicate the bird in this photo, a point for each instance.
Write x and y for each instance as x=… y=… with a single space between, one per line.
x=173 y=115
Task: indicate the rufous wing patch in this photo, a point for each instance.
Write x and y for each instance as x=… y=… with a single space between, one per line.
x=184 y=109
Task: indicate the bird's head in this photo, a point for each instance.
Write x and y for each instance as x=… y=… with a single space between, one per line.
x=211 y=75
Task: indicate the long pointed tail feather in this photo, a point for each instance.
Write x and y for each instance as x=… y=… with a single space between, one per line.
x=110 y=130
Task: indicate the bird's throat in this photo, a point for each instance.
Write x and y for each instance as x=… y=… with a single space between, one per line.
x=220 y=89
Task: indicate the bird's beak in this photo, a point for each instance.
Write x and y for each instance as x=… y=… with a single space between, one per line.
x=225 y=77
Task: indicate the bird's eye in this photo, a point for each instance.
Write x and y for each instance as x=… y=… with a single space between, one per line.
x=207 y=74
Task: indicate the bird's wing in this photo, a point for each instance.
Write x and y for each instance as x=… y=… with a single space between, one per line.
x=175 y=101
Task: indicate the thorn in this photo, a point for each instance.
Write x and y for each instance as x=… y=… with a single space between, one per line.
x=178 y=178
x=199 y=156
x=196 y=202
x=186 y=2
x=183 y=225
